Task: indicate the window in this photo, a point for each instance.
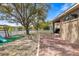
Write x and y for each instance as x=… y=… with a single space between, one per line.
x=74 y=15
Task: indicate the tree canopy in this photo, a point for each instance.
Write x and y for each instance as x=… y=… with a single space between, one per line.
x=25 y=13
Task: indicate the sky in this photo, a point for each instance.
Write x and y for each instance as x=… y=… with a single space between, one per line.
x=56 y=9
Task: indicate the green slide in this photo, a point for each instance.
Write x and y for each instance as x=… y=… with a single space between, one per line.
x=2 y=39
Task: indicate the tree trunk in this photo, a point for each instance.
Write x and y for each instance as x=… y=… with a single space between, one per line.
x=37 y=27
x=27 y=30
x=6 y=32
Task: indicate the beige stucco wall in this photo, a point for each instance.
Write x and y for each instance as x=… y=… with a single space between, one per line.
x=57 y=25
x=70 y=30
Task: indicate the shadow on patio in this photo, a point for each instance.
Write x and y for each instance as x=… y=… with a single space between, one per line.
x=51 y=46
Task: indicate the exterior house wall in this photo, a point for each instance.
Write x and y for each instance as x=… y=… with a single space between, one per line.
x=57 y=25
x=69 y=25
x=70 y=30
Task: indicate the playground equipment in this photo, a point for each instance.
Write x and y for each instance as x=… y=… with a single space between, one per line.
x=11 y=39
x=2 y=39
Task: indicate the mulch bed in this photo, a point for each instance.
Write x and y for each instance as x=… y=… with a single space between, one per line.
x=22 y=47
